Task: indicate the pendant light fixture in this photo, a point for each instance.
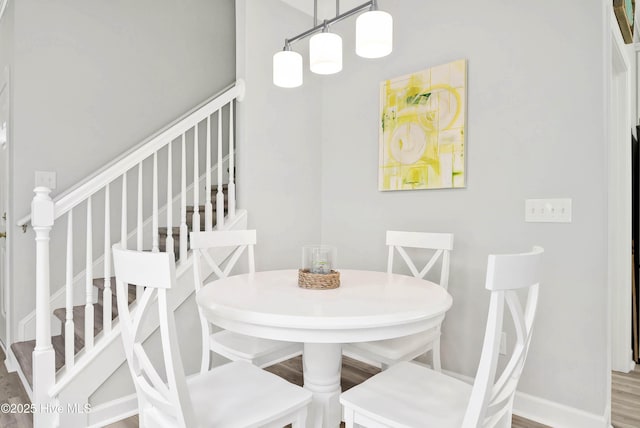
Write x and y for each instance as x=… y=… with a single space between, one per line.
x=287 y=68
x=325 y=52
x=374 y=39
x=374 y=34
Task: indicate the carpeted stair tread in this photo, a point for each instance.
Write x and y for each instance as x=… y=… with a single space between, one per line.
x=23 y=351
x=162 y=240
x=99 y=284
x=78 y=321
x=162 y=231
x=190 y=212
x=202 y=207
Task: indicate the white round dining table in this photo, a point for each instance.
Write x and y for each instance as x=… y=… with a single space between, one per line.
x=367 y=306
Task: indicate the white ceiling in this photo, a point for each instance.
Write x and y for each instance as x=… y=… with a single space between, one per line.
x=326 y=8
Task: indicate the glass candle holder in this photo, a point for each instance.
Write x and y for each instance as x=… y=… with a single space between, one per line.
x=320 y=259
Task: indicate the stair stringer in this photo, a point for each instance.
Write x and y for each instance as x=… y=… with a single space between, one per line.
x=75 y=387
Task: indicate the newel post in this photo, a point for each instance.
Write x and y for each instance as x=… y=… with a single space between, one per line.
x=42 y=218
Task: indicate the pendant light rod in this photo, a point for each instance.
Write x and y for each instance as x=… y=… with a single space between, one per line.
x=315 y=13
x=320 y=27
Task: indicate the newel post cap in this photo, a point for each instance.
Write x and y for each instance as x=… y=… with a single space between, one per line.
x=42 y=208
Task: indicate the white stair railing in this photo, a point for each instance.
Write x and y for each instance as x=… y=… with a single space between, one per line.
x=102 y=189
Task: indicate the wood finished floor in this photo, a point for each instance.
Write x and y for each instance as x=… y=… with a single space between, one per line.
x=12 y=392
x=625 y=401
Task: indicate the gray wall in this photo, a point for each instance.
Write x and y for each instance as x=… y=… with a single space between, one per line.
x=92 y=79
x=535 y=130
x=6 y=61
x=279 y=151
x=6 y=37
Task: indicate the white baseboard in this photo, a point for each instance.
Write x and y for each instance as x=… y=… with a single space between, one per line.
x=548 y=412
x=555 y=414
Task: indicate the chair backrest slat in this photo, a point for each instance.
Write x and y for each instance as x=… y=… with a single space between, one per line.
x=235 y=256
x=512 y=271
x=431 y=263
x=143 y=267
x=441 y=243
x=202 y=254
x=155 y=272
x=420 y=240
x=141 y=308
x=222 y=238
x=146 y=368
x=412 y=267
x=152 y=395
x=492 y=400
x=242 y=240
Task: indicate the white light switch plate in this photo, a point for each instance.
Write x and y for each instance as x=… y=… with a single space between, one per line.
x=46 y=179
x=547 y=210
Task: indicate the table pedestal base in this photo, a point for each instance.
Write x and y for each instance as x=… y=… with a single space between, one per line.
x=321 y=368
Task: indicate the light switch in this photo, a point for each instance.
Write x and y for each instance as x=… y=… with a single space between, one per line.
x=547 y=210
x=46 y=179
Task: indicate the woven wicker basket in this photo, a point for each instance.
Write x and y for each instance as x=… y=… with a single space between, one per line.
x=318 y=281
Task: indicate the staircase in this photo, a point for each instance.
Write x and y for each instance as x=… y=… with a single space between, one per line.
x=23 y=351
x=65 y=368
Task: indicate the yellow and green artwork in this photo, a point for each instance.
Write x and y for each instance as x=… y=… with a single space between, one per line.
x=422 y=129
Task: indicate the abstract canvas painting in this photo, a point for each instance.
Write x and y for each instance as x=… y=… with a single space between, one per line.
x=422 y=129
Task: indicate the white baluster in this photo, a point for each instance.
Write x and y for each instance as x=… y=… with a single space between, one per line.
x=183 y=203
x=139 y=227
x=69 y=341
x=231 y=186
x=208 y=208
x=42 y=218
x=106 y=291
x=88 y=309
x=139 y=233
x=154 y=215
x=123 y=220
x=195 y=219
x=219 y=194
x=168 y=246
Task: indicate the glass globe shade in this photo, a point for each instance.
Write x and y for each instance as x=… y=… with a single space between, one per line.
x=287 y=69
x=325 y=53
x=374 y=34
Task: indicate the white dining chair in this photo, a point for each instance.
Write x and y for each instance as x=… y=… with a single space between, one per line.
x=412 y=395
x=233 y=346
x=385 y=353
x=236 y=394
